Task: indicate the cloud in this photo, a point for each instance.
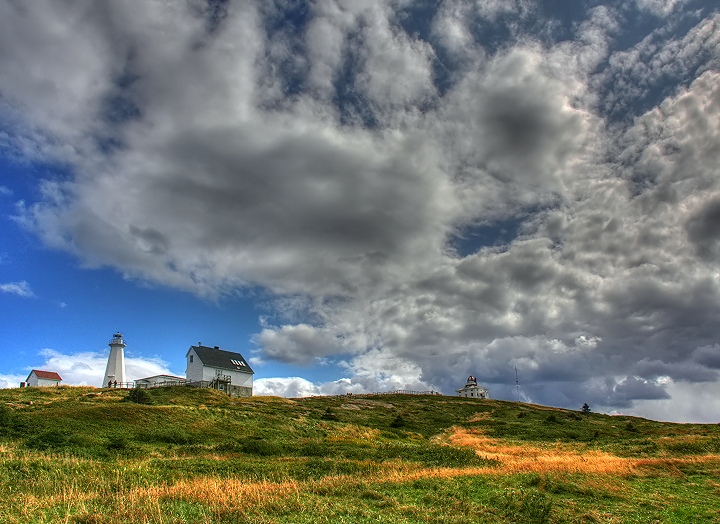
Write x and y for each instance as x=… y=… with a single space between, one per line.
x=295 y=387
x=659 y=7
x=350 y=164
x=86 y=368
x=11 y=380
x=696 y=403
x=300 y=343
x=21 y=289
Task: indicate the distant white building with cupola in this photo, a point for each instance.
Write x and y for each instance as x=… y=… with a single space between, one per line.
x=472 y=390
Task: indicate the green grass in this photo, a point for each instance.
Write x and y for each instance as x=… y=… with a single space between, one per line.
x=196 y=456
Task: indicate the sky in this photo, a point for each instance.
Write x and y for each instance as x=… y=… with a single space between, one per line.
x=368 y=195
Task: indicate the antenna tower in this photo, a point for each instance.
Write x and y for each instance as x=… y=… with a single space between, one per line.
x=517 y=385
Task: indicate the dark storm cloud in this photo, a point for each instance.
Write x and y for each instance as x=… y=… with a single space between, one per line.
x=684 y=371
x=328 y=160
x=704 y=229
x=707 y=356
x=633 y=388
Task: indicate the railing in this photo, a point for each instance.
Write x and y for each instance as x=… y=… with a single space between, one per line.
x=406 y=392
x=396 y=392
x=163 y=384
x=119 y=385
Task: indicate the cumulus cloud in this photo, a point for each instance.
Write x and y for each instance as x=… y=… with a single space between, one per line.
x=350 y=164
x=11 y=380
x=659 y=7
x=296 y=387
x=21 y=289
x=86 y=368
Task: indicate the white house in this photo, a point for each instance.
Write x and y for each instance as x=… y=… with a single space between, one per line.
x=219 y=369
x=39 y=378
x=472 y=390
x=157 y=381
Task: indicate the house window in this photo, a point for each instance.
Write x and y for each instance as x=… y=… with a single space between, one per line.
x=191 y=358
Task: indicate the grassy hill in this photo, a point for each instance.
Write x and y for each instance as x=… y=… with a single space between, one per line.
x=182 y=455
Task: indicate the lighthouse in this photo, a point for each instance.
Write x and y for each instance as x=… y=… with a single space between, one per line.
x=472 y=390
x=115 y=370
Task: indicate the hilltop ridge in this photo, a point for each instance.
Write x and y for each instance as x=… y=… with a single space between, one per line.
x=162 y=449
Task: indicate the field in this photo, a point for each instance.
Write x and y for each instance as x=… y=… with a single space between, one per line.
x=182 y=455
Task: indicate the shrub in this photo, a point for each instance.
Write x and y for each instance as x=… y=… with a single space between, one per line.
x=259 y=446
x=49 y=439
x=117 y=443
x=398 y=422
x=139 y=396
x=329 y=414
x=168 y=436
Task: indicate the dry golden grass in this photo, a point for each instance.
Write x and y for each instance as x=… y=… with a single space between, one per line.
x=352 y=434
x=526 y=458
x=479 y=417
x=217 y=492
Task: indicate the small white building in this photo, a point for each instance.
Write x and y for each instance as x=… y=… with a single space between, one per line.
x=39 y=378
x=219 y=369
x=472 y=390
x=157 y=381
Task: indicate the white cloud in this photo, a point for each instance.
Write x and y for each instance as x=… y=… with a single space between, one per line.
x=660 y=7
x=86 y=368
x=295 y=387
x=329 y=168
x=21 y=289
x=11 y=381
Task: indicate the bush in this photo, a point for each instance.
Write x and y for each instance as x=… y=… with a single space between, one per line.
x=398 y=422
x=329 y=415
x=168 y=436
x=259 y=446
x=631 y=427
x=117 y=443
x=139 y=396
x=50 y=439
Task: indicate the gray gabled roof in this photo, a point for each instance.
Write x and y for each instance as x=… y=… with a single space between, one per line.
x=219 y=358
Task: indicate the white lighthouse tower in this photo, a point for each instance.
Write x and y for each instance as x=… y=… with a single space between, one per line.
x=115 y=370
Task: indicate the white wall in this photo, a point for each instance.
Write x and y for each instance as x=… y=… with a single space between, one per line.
x=194 y=369
x=237 y=378
x=34 y=381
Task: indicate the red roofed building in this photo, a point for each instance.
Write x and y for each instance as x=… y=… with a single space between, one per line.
x=40 y=378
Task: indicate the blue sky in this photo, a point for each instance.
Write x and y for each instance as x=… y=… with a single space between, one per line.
x=368 y=195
